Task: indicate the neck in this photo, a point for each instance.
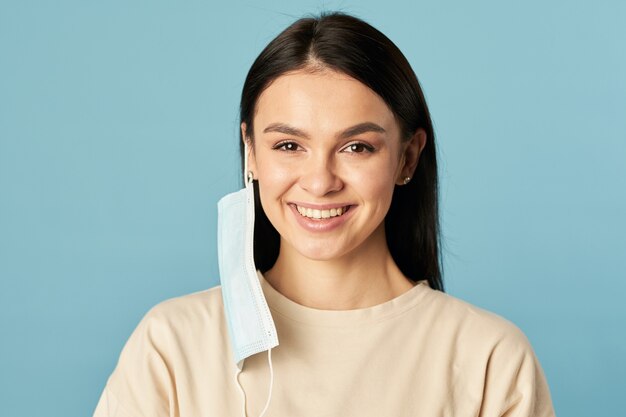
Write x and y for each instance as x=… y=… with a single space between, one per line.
x=362 y=278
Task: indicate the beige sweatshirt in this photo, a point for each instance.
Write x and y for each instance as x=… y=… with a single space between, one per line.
x=424 y=353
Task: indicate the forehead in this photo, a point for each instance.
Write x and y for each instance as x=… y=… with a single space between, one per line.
x=321 y=101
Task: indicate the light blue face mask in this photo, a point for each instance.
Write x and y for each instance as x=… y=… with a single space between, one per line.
x=250 y=325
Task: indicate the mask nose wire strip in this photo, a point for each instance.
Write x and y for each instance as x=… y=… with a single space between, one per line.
x=269 y=394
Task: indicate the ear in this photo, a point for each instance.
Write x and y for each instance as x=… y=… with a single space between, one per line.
x=410 y=155
x=249 y=147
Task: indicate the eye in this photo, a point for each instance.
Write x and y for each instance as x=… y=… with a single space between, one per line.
x=358 y=147
x=286 y=146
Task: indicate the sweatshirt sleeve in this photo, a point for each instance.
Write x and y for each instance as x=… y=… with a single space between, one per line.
x=141 y=384
x=515 y=385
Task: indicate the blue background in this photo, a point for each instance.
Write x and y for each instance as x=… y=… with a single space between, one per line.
x=118 y=134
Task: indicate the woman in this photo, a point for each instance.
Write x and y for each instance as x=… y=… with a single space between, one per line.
x=347 y=316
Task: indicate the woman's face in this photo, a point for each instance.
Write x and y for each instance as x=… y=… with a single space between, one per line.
x=327 y=155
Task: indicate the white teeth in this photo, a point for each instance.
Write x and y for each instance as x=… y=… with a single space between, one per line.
x=321 y=214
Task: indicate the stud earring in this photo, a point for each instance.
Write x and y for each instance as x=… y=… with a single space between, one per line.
x=406 y=180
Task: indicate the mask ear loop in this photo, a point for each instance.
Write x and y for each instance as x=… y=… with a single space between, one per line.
x=244 y=412
x=238 y=369
x=242 y=392
x=249 y=184
x=249 y=175
x=269 y=393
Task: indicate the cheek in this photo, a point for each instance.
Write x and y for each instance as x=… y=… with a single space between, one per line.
x=377 y=181
x=274 y=179
x=381 y=192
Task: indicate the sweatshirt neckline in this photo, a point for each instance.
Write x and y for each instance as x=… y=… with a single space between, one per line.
x=280 y=304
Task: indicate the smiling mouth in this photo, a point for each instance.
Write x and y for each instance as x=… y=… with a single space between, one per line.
x=322 y=214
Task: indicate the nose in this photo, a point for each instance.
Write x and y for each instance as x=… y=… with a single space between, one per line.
x=319 y=176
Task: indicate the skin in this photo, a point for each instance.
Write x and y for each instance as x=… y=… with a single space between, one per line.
x=304 y=152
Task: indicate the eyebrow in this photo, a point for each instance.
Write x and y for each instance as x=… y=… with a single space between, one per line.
x=347 y=133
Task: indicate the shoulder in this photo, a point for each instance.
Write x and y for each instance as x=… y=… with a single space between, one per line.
x=471 y=325
x=174 y=326
x=188 y=307
x=488 y=354
x=175 y=337
x=184 y=316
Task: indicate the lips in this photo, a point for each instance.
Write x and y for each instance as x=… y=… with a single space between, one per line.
x=319 y=214
x=311 y=217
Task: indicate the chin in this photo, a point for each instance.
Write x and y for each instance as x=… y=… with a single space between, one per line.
x=321 y=250
x=317 y=252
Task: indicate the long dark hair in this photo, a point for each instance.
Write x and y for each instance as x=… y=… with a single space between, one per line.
x=351 y=46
